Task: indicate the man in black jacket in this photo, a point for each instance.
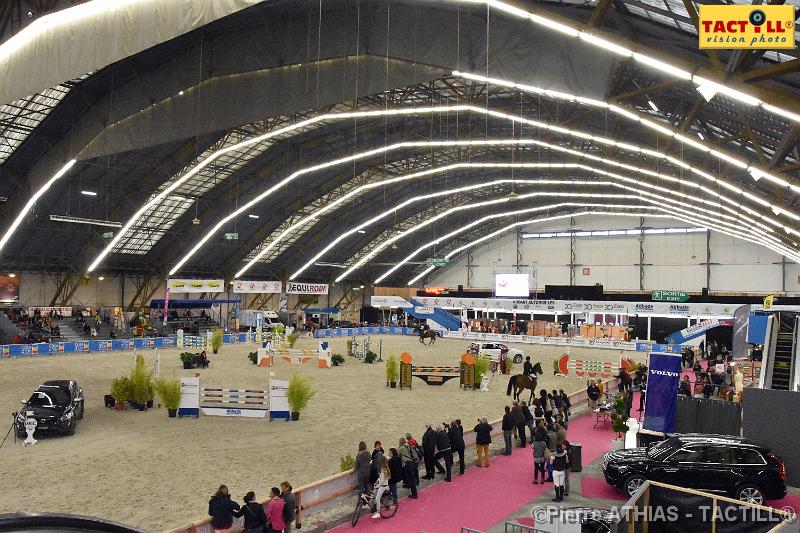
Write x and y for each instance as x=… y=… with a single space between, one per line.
x=527 y=368
x=429 y=450
x=593 y=392
x=508 y=429
x=444 y=451
x=483 y=438
x=456 y=435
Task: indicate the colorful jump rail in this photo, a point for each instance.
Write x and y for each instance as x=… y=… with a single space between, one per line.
x=371 y=330
x=115 y=345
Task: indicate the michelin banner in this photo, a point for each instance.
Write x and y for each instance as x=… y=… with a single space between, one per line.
x=663 y=375
x=196 y=285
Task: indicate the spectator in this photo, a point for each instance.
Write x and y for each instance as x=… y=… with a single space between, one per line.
x=593 y=392
x=362 y=467
x=508 y=428
x=557 y=404
x=429 y=450
x=410 y=459
x=624 y=380
x=483 y=438
x=539 y=446
x=560 y=463
x=381 y=485
x=526 y=412
x=554 y=409
x=289 y=504
x=519 y=422
x=444 y=451
x=685 y=387
x=551 y=446
x=275 y=508
x=221 y=509
x=561 y=432
x=254 y=517
x=601 y=387
x=395 y=471
x=565 y=405
x=546 y=407
x=377 y=453
x=456 y=435
x=538 y=412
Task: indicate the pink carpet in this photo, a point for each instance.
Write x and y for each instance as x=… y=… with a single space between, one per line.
x=596 y=487
x=483 y=496
x=788 y=502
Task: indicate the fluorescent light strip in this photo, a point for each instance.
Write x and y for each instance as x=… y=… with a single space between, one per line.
x=614 y=233
x=656 y=200
x=88 y=193
x=32 y=200
x=89 y=221
x=634 y=117
x=450 y=167
x=506 y=165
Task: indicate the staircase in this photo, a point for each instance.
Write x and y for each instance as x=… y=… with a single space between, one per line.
x=784 y=352
x=446 y=320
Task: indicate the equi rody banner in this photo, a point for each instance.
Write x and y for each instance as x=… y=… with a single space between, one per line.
x=663 y=375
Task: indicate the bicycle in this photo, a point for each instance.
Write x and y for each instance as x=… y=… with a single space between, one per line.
x=388 y=506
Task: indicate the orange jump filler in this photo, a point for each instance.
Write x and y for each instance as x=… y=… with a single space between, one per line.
x=746 y=26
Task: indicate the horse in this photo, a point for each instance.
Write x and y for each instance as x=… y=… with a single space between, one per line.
x=520 y=382
x=430 y=334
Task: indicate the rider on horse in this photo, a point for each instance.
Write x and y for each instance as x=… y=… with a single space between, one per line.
x=527 y=368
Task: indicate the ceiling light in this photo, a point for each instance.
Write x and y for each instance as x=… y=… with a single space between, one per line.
x=663 y=67
x=708 y=92
x=89 y=221
x=553 y=25
x=602 y=43
x=89 y=193
x=180 y=93
x=701 y=136
x=12 y=275
x=652 y=106
x=361 y=231
x=100 y=278
x=361 y=287
x=756 y=173
x=253 y=216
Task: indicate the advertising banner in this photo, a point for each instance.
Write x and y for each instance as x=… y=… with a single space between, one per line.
x=692 y=331
x=259 y=287
x=389 y=301
x=306 y=288
x=739 y=346
x=609 y=344
x=663 y=375
x=190 y=397
x=423 y=310
x=63 y=311
x=9 y=288
x=278 y=403
x=196 y=285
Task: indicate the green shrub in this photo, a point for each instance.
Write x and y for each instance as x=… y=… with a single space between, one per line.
x=337 y=359
x=121 y=389
x=481 y=367
x=299 y=392
x=392 y=370
x=347 y=463
x=187 y=357
x=253 y=356
x=169 y=392
x=141 y=388
x=370 y=357
x=216 y=339
x=291 y=339
x=618 y=417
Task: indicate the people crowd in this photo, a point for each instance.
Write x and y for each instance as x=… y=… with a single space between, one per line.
x=36 y=327
x=278 y=517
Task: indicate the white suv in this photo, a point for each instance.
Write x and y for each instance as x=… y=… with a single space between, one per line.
x=495 y=349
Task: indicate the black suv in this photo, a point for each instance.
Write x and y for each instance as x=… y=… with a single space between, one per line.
x=711 y=463
x=55 y=405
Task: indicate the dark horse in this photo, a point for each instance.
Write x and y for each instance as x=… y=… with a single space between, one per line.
x=429 y=334
x=520 y=382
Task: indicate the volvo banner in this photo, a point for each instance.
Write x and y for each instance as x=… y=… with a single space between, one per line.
x=663 y=375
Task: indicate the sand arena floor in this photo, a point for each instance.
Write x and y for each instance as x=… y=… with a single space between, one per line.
x=153 y=472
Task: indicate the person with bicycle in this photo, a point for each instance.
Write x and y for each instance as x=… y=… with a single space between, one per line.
x=362 y=467
x=381 y=485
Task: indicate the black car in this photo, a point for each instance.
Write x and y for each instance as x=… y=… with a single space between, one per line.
x=711 y=463
x=55 y=405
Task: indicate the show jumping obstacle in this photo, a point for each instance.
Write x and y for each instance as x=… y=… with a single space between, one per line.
x=248 y=403
x=584 y=368
x=295 y=356
x=438 y=375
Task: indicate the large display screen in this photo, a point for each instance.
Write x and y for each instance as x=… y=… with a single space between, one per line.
x=512 y=285
x=9 y=288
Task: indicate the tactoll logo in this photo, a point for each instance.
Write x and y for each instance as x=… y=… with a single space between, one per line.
x=746 y=26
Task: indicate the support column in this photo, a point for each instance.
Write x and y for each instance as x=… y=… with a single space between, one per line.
x=469 y=269
x=641 y=253
x=708 y=260
x=649 y=324
x=783 y=274
x=519 y=251
x=572 y=251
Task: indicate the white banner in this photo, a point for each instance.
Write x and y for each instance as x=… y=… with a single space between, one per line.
x=63 y=311
x=388 y=301
x=306 y=288
x=190 y=397
x=423 y=310
x=278 y=403
x=260 y=287
x=538 y=339
x=582 y=306
x=196 y=285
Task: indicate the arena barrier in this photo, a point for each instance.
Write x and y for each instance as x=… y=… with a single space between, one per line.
x=296 y=356
x=371 y=330
x=583 y=342
x=318 y=493
x=438 y=375
x=246 y=403
x=584 y=368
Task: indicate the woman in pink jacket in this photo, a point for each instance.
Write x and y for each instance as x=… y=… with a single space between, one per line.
x=275 y=511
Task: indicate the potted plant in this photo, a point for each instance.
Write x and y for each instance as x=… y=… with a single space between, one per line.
x=216 y=339
x=187 y=358
x=253 y=356
x=120 y=391
x=370 y=357
x=618 y=425
x=140 y=380
x=481 y=367
x=298 y=394
x=392 y=371
x=291 y=339
x=337 y=359
x=169 y=393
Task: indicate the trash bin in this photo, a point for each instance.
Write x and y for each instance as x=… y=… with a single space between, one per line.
x=575 y=456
